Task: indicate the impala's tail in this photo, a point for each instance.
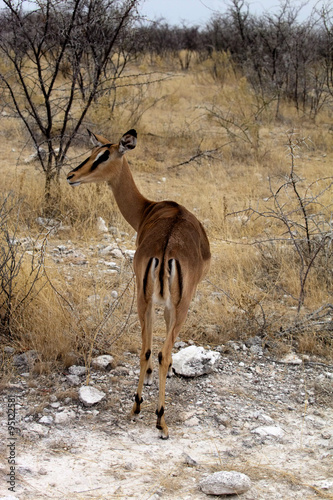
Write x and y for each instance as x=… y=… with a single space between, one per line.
x=163 y=281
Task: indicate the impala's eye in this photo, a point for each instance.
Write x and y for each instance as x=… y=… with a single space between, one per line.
x=100 y=158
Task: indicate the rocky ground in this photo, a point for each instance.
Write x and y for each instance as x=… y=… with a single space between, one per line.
x=268 y=418
x=253 y=414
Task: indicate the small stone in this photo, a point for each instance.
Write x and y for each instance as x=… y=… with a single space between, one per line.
x=77 y=370
x=130 y=254
x=64 y=417
x=90 y=396
x=291 y=359
x=25 y=359
x=9 y=350
x=24 y=470
x=111 y=265
x=324 y=484
x=73 y=380
x=256 y=350
x=180 y=344
x=116 y=253
x=39 y=429
x=269 y=430
x=189 y=460
x=103 y=362
x=101 y=225
x=225 y=483
x=106 y=250
x=192 y=422
x=326 y=435
x=46 y=420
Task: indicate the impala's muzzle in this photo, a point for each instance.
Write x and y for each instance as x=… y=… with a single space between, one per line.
x=71 y=181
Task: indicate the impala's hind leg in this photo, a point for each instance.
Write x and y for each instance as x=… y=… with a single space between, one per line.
x=175 y=318
x=146 y=312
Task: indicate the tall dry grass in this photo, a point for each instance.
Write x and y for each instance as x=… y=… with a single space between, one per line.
x=208 y=142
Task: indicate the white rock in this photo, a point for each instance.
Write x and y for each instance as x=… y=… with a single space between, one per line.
x=116 y=253
x=46 y=420
x=9 y=497
x=101 y=225
x=269 y=430
x=90 y=396
x=111 y=264
x=39 y=429
x=77 y=370
x=291 y=359
x=225 y=483
x=324 y=484
x=130 y=254
x=73 y=380
x=106 y=250
x=9 y=350
x=192 y=422
x=194 y=361
x=103 y=362
x=64 y=417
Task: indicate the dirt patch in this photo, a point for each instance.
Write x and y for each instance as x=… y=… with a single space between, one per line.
x=253 y=415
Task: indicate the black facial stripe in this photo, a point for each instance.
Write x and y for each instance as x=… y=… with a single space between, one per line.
x=81 y=165
x=101 y=159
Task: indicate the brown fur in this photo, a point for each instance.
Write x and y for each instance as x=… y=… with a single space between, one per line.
x=172 y=255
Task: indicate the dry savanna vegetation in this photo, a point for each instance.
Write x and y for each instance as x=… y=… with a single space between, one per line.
x=260 y=181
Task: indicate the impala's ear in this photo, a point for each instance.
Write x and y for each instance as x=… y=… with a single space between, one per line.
x=128 y=141
x=97 y=140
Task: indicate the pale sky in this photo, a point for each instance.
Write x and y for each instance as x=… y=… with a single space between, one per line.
x=198 y=12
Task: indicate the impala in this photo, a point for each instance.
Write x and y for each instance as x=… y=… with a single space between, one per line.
x=171 y=257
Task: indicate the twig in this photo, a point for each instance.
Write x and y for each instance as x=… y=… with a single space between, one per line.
x=199 y=154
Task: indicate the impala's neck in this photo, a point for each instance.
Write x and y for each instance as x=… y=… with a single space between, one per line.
x=130 y=201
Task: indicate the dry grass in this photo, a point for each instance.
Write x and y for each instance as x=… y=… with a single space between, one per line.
x=252 y=288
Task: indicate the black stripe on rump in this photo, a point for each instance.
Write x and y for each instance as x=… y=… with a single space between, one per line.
x=180 y=279
x=101 y=159
x=145 y=278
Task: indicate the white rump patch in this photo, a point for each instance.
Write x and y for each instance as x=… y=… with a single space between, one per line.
x=172 y=271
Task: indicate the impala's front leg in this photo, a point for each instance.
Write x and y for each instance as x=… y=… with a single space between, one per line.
x=145 y=312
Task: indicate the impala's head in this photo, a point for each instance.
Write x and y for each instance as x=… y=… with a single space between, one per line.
x=106 y=158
